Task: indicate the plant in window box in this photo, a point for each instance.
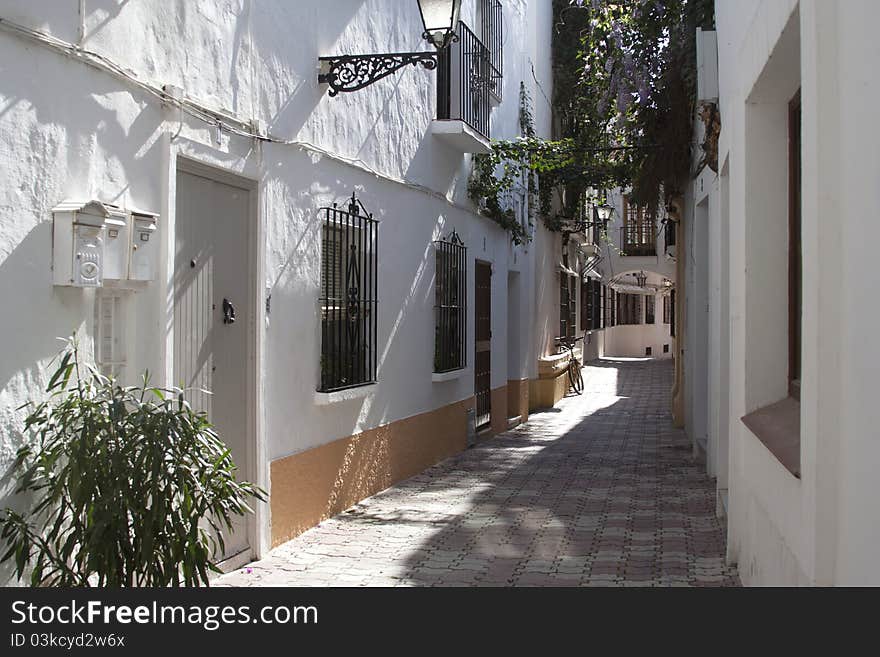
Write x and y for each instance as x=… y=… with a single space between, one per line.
x=129 y=486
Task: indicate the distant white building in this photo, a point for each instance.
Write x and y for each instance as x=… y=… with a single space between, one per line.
x=612 y=284
x=313 y=260
x=779 y=292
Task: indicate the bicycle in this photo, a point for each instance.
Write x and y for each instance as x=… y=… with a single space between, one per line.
x=575 y=377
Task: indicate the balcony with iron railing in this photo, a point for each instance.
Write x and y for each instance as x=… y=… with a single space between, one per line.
x=638 y=239
x=493 y=38
x=467 y=76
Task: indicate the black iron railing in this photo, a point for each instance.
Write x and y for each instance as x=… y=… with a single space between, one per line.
x=450 y=306
x=348 y=297
x=639 y=239
x=483 y=343
x=493 y=38
x=464 y=81
x=567 y=305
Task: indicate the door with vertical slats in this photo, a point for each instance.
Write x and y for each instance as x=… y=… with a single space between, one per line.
x=211 y=314
x=483 y=343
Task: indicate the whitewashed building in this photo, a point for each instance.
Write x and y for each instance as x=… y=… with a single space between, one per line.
x=611 y=282
x=782 y=237
x=342 y=351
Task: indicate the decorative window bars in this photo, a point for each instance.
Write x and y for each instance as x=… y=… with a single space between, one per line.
x=592 y=304
x=649 y=310
x=667 y=302
x=348 y=297
x=567 y=305
x=638 y=236
x=450 y=305
x=629 y=309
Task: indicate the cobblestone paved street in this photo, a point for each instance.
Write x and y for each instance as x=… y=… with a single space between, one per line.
x=600 y=491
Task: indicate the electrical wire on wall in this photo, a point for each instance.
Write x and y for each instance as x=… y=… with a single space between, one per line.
x=220 y=120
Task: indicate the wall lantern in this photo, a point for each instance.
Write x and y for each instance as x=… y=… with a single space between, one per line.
x=601 y=216
x=353 y=72
x=641 y=278
x=602 y=213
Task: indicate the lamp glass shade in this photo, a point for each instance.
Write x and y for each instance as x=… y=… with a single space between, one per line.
x=440 y=20
x=604 y=212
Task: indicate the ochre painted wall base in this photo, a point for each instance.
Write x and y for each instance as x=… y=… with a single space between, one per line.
x=309 y=487
x=518 y=399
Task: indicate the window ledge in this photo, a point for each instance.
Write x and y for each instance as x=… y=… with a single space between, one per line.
x=326 y=398
x=778 y=426
x=439 y=377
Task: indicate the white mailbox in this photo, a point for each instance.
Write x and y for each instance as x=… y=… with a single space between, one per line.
x=116 y=245
x=144 y=245
x=78 y=243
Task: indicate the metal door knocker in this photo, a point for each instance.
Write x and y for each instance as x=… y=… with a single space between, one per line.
x=228 y=312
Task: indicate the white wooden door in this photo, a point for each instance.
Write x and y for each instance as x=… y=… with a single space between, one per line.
x=211 y=314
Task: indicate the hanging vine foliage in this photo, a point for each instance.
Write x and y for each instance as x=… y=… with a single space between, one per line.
x=624 y=105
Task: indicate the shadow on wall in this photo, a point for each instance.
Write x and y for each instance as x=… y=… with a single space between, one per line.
x=435 y=164
x=26 y=292
x=106 y=11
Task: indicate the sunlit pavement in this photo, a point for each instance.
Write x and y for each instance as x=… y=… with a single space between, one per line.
x=600 y=491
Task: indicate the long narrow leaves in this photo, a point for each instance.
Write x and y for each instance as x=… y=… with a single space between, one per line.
x=130 y=486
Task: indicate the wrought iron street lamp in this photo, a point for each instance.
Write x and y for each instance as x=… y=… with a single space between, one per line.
x=601 y=216
x=353 y=72
x=440 y=19
x=641 y=278
x=602 y=213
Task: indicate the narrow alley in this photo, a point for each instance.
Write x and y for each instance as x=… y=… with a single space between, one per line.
x=599 y=491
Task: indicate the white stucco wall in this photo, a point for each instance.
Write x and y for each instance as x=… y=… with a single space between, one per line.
x=630 y=340
x=821 y=528
x=70 y=130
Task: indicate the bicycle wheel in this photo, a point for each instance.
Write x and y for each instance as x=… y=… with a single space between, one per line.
x=579 y=378
x=575 y=380
x=572 y=377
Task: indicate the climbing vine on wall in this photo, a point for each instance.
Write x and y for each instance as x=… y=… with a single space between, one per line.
x=624 y=106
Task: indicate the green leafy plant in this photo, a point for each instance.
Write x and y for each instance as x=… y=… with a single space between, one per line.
x=624 y=97
x=129 y=486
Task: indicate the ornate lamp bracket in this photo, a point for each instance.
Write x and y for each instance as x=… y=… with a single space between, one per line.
x=354 y=72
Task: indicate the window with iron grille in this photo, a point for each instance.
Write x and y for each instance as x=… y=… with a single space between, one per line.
x=597 y=306
x=606 y=310
x=348 y=297
x=586 y=304
x=629 y=308
x=592 y=304
x=567 y=305
x=649 y=310
x=450 y=304
x=666 y=303
x=639 y=232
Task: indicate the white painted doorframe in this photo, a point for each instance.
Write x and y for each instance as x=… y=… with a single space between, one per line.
x=257 y=466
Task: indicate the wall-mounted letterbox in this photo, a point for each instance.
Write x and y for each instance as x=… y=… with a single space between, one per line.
x=144 y=246
x=116 y=245
x=78 y=243
x=96 y=243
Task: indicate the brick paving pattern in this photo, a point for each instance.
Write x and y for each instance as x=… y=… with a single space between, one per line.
x=602 y=491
